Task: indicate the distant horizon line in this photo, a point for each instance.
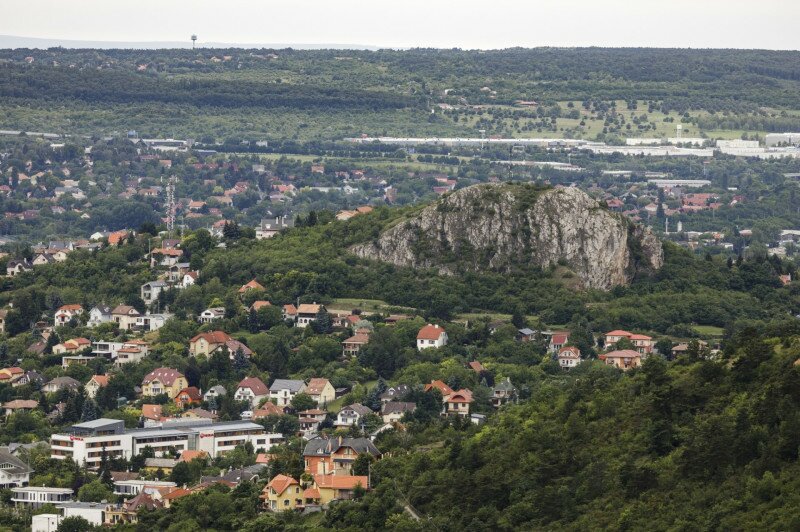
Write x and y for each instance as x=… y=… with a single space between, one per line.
x=42 y=43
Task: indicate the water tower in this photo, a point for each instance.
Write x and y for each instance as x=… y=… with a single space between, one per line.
x=194 y=39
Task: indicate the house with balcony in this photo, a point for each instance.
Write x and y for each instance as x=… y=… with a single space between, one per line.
x=14 y=473
x=163 y=380
x=284 y=390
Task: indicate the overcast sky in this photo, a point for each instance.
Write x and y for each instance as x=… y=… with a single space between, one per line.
x=436 y=23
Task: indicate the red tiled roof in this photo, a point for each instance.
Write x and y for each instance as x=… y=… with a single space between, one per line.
x=430 y=332
x=255 y=384
x=280 y=482
x=213 y=337
x=439 y=385
x=166 y=376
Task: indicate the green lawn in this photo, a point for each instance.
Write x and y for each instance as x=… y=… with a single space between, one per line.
x=708 y=330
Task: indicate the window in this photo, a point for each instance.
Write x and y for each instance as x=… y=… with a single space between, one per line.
x=286 y=502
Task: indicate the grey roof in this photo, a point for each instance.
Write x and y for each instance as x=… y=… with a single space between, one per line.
x=395 y=391
x=527 y=332
x=397 y=407
x=293 y=386
x=104 y=309
x=18 y=467
x=325 y=446
x=504 y=385
x=358 y=408
x=65 y=382
x=218 y=390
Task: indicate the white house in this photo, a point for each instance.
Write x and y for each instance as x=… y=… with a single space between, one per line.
x=152 y=322
x=351 y=415
x=66 y=312
x=93 y=512
x=125 y=317
x=431 y=336
x=189 y=278
x=284 y=390
x=151 y=290
x=307 y=312
x=252 y=390
x=14 y=473
x=100 y=314
x=215 y=392
x=212 y=314
x=569 y=357
x=33 y=497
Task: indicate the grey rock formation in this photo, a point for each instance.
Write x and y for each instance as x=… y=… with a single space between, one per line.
x=510 y=227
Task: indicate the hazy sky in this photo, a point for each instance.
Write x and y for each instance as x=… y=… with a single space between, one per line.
x=436 y=23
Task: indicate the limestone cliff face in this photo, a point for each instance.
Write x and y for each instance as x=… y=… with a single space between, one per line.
x=507 y=227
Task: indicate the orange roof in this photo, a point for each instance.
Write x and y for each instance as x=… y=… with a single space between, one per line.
x=176 y=493
x=280 y=482
x=308 y=308
x=311 y=493
x=640 y=337
x=264 y=458
x=115 y=237
x=102 y=380
x=618 y=332
x=269 y=409
x=569 y=349
x=316 y=385
x=258 y=305
x=252 y=285
x=70 y=307
x=341 y=482
x=290 y=309
x=189 y=455
x=213 y=337
x=430 y=332
x=151 y=411
x=476 y=366
x=13 y=371
x=461 y=396
x=439 y=385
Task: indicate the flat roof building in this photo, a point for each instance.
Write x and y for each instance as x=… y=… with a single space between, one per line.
x=86 y=443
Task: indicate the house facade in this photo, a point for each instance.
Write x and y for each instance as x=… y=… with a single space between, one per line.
x=431 y=336
x=163 y=380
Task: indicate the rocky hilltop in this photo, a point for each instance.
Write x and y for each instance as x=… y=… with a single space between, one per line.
x=510 y=227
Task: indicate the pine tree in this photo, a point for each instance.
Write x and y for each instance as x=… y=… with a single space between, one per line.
x=3 y=354
x=89 y=412
x=240 y=362
x=252 y=321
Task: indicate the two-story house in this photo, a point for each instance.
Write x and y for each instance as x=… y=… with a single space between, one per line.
x=66 y=312
x=100 y=314
x=94 y=384
x=252 y=390
x=284 y=390
x=352 y=415
x=321 y=391
x=125 y=317
x=643 y=344
x=431 y=336
x=569 y=356
x=307 y=312
x=206 y=343
x=335 y=455
x=150 y=291
x=163 y=380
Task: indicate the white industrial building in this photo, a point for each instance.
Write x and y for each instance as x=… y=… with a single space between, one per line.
x=86 y=443
x=777 y=139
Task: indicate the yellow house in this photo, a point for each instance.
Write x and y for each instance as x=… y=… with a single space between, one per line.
x=282 y=493
x=338 y=487
x=321 y=390
x=163 y=380
x=206 y=343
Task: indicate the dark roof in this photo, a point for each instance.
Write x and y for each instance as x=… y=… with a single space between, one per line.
x=326 y=446
x=15 y=465
x=397 y=407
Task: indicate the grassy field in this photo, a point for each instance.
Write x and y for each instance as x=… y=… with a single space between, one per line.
x=708 y=330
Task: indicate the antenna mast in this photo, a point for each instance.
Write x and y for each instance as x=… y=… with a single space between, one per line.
x=170 y=205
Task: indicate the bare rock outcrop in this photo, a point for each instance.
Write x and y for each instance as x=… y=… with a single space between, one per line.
x=511 y=227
